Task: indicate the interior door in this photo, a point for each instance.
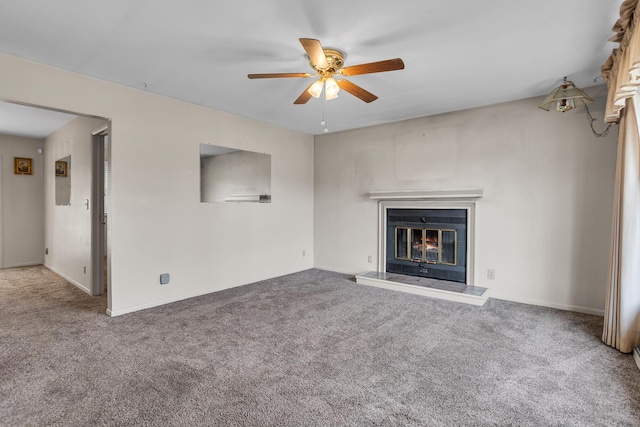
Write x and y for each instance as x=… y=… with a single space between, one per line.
x=101 y=149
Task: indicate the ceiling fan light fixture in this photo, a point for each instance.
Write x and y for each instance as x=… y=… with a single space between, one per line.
x=565 y=97
x=331 y=89
x=316 y=89
x=327 y=63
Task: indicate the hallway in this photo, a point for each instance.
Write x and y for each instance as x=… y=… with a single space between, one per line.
x=28 y=291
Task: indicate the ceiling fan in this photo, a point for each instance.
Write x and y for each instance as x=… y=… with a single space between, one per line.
x=328 y=63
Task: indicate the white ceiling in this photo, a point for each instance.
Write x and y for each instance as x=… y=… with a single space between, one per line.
x=30 y=122
x=458 y=54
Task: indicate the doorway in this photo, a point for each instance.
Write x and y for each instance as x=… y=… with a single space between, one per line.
x=70 y=139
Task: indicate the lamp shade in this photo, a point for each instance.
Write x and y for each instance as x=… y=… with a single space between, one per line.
x=565 y=97
x=316 y=89
x=331 y=89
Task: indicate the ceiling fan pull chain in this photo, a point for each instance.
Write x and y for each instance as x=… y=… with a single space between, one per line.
x=324 y=121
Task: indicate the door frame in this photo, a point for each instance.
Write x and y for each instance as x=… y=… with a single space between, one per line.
x=100 y=241
x=1 y=220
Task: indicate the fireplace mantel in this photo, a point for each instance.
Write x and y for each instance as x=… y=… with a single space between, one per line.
x=459 y=194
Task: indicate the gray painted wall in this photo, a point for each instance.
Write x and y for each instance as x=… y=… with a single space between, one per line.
x=156 y=221
x=22 y=204
x=543 y=224
x=68 y=227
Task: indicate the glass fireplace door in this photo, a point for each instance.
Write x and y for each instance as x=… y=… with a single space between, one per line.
x=430 y=245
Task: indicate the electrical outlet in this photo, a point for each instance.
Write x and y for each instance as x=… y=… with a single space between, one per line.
x=84 y=269
x=164 y=278
x=369 y=259
x=46 y=251
x=304 y=253
x=491 y=274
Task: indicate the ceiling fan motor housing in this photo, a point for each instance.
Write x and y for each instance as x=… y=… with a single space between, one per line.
x=335 y=59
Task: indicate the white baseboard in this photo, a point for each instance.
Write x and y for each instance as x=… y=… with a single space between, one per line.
x=567 y=307
x=69 y=279
x=114 y=313
x=336 y=270
x=120 y=312
x=23 y=264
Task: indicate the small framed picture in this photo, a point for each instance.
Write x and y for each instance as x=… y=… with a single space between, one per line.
x=61 y=168
x=22 y=166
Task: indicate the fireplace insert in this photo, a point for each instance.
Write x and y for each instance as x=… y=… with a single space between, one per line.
x=427 y=243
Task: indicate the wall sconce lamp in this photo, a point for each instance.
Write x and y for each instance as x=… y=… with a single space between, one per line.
x=567 y=97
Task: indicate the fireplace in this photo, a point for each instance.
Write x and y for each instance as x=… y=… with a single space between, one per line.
x=427 y=243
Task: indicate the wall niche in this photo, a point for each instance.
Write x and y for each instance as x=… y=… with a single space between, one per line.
x=232 y=175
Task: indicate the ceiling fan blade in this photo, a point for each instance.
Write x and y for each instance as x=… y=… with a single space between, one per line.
x=277 y=75
x=373 y=67
x=315 y=52
x=304 y=96
x=356 y=90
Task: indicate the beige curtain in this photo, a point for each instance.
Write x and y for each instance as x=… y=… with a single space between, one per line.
x=622 y=73
x=622 y=309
